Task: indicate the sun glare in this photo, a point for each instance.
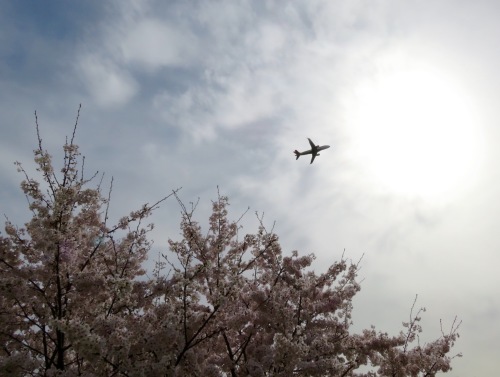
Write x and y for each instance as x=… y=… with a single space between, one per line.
x=417 y=134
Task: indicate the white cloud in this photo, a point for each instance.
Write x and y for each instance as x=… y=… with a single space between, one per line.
x=108 y=84
x=152 y=44
x=227 y=101
x=187 y=112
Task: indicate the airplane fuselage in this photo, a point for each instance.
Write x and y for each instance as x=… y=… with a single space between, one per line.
x=315 y=150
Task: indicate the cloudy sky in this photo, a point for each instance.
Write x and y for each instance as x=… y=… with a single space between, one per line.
x=201 y=94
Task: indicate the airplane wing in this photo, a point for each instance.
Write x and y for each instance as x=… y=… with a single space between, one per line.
x=313 y=157
x=312 y=144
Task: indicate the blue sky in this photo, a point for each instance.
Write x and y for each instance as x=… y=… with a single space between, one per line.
x=219 y=93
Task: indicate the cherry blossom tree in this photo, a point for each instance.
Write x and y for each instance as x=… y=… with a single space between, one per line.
x=67 y=277
x=236 y=306
x=75 y=301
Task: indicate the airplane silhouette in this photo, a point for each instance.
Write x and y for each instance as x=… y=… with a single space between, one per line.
x=314 y=150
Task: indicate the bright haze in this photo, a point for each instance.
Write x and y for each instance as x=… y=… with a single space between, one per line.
x=218 y=94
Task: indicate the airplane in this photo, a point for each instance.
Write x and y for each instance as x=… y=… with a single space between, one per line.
x=314 y=150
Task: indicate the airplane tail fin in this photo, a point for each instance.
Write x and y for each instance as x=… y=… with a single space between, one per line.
x=297 y=154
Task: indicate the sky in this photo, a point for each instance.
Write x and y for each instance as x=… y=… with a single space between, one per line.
x=216 y=95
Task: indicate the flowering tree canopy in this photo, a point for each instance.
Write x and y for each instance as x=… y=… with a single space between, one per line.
x=75 y=301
